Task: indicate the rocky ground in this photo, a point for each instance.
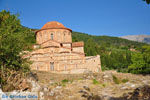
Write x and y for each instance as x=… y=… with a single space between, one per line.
x=108 y=85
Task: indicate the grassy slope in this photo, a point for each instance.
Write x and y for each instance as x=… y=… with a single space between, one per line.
x=108 y=40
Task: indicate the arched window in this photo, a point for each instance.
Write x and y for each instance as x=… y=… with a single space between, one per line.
x=40 y=33
x=64 y=36
x=65 y=33
x=52 y=36
x=52 y=66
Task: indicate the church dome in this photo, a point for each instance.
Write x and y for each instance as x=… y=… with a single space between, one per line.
x=53 y=24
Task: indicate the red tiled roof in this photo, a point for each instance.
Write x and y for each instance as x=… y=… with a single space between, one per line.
x=77 y=44
x=53 y=25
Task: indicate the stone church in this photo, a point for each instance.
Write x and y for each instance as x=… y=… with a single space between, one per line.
x=55 y=52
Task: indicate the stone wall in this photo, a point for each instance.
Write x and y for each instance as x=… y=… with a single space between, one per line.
x=50 y=43
x=55 y=51
x=60 y=35
x=67 y=45
x=93 y=63
x=78 y=49
x=64 y=62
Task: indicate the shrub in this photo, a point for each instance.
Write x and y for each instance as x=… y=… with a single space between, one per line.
x=65 y=81
x=95 y=81
x=125 y=80
x=116 y=80
x=104 y=85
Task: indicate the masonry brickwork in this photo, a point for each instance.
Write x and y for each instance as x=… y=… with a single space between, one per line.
x=55 y=51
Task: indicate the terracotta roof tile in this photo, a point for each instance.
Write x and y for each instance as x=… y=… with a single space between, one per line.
x=53 y=24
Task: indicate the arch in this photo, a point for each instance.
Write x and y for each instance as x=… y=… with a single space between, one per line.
x=64 y=37
x=52 y=36
x=52 y=66
x=64 y=33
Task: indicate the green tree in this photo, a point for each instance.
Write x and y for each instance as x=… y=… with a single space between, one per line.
x=138 y=64
x=14 y=39
x=141 y=61
x=147 y=1
x=91 y=48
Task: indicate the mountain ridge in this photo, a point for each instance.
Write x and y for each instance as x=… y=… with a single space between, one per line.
x=139 y=38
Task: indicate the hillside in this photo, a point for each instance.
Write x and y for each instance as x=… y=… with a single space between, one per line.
x=138 y=38
x=115 y=52
x=114 y=41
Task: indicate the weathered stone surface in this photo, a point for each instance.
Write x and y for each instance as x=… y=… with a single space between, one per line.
x=55 y=52
x=50 y=86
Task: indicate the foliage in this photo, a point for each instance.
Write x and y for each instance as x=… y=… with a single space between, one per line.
x=140 y=62
x=115 y=52
x=125 y=80
x=14 y=39
x=65 y=81
x=147 y=1
x=95 y=81
x=116 y=80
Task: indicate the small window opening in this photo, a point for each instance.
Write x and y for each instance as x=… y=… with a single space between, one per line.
x=61 y=44
x=52 y=37
x=52 y=66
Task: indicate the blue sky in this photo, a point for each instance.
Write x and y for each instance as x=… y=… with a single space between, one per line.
x=96 y=17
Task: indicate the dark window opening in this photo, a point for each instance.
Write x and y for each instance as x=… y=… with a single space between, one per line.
x=61 y=44
x=52 y=66
x=52 y=36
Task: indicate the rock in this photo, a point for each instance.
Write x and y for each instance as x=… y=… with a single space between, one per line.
x=52 y=93
x=57 y=97
x=105 y=76
x=58 y=87
x=41 y=96
x=70 y=97
x=51 y=82
x=45 y=89
x=86 y=88
x=124 y=88
x=35 y=86
x=24 y=86
x=145 y=82
x=133 y=86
